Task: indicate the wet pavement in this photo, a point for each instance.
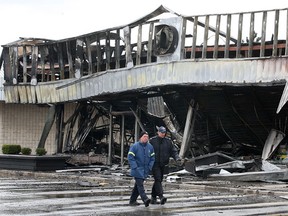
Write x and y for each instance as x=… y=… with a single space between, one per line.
x=38 y=194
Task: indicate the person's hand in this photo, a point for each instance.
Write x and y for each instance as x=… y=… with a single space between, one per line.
x=180 y=162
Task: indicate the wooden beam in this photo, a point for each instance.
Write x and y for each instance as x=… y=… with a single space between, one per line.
x=150 y=41
x=228 y=33
x=276 y=29
x=263 y=34
x=205 y=40
x=70 y=60
x=239 y=37
x=139 y=45
x=127 y=36
x=108 y=50
x=251 y=35
x=216 y=42
x=60 y=60
x=117 y=50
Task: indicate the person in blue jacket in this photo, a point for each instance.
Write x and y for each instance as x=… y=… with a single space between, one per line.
x=141 y=158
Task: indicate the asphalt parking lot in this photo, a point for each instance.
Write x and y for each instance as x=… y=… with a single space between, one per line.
x=36 y=193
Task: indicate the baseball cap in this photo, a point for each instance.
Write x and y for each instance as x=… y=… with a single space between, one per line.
x=162 y=129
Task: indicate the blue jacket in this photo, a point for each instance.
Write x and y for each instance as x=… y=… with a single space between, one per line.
x=141 y=158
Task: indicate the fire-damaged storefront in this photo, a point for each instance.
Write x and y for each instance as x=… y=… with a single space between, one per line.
x=227 y=96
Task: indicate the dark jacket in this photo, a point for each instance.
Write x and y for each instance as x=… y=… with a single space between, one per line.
x=141 y=158
x=164 y=149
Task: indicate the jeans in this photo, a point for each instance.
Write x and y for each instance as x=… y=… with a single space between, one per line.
x=138 y=190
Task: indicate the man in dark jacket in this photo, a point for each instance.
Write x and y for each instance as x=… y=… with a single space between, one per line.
x=141 y=158
x=164 y=149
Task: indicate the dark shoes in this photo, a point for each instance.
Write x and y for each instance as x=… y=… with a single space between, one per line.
x=163 y=200
x=147 y=202
x=135 y=203
x=154 y=200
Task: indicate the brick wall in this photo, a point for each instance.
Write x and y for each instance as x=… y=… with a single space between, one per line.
x=23 y=124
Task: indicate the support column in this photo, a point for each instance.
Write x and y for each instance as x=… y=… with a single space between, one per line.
x=109 y=162
x=59 y=127
x=137 y=125
x=185 y=143
x=47 y=127
x=122 y=139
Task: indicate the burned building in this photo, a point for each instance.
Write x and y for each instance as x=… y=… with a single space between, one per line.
x=216 y=81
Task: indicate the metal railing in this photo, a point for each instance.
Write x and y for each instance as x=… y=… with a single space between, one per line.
x=239 y=35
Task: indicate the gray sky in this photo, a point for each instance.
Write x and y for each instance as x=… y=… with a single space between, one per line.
x=58 y=19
